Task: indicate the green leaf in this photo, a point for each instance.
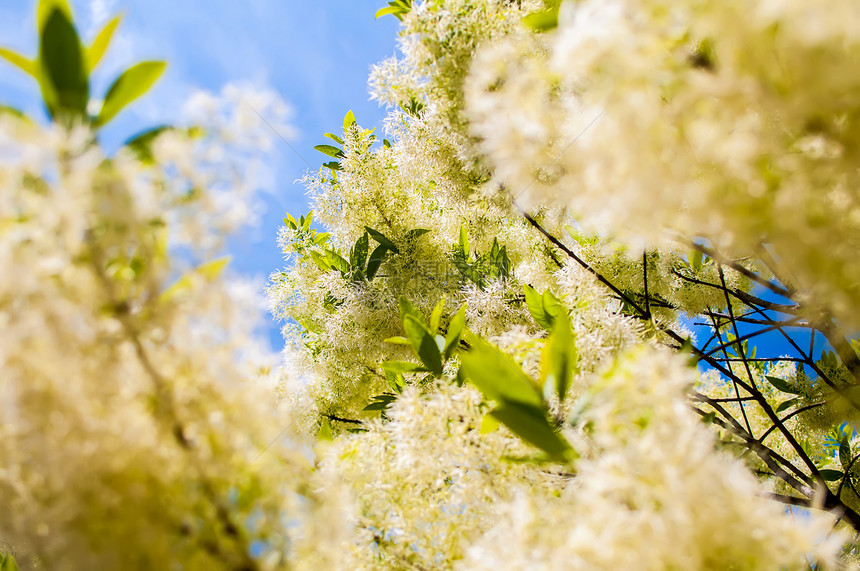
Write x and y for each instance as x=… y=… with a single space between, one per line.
x=101 y=42
x=333 y=165
x=28 y=66
x=544 y=20
x=464 y=242
x=46 y=7
x=380 y=402
x=831 y=475
x=141 y=144
x=325 y=433
x=130 y=85
x=320 y=260
x=8 y=110
x=436 y=316
x=423 y=343
x=382 y=239
x=8 y=563
x=407 y=308
x=496 y=374
x=530 y=423
x=348 y=120
x=415 y=233
x=845 y=451
x=534 y=302
x=551 y=305
x=560 y=359
x=696 y=260
x=782 y=385
x=306 y=224
x=334 y=138
x=330 y=151
x=397 y=340
x=455 y=330
x=376 y=259
x=63 y=74
x=360 y=252
x=400 y=367
x=386 y=11
x=396 y=381
x=787 y=405
x=336 y=261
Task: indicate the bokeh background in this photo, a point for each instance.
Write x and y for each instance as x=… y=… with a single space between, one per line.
x=315 y=55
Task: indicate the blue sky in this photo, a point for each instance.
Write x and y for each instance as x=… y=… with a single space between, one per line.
x=316 y=55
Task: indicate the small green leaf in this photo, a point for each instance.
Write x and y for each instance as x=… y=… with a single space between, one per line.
x=130 y=85
x=46 y=7
x=386 y=11
x=325 y=432
x=397 y=341
x=845 y=451
x=375 y=261
x=489 y=423
x=424 y=344
x=831 y=475
x=401 y=367
x=28 y=66
x=530 y=423
x=348 y=120
x=455 y=330
x=382 y=239
x=100 y=44
x=7 y=110
x=333 y=165
x=782 y=385
x=63 y=74
x=407 y=308
x=696 y=260
x=396 y=381
x=336 y=261
x=415 y=233
x=331 y=151
x=334 y=138
x=464 y=242
x=560 y=358
x=551 y=305
x=534 y=302
x=436 y=316
x=787 y=405
x=8 y=563
x=141 y=144
x=496 y=374
x=360 y=252
x=545 y=19
x=380 y=402
x=320 y=260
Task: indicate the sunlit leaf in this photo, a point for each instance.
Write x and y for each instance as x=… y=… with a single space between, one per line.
x=423 y=343
x=63 y=73
x=28 y=66
x=130 y=85
x=496 y=374
x=101 y=42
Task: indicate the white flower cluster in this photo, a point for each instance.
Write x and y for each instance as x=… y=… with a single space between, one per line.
x=134 y=411
x=729 y=121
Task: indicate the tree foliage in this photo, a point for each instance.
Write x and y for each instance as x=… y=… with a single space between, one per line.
x=589 y=305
